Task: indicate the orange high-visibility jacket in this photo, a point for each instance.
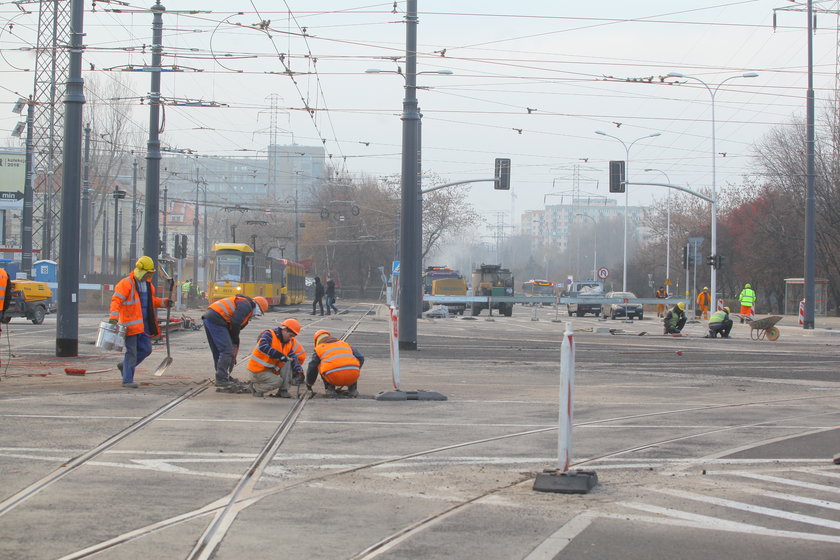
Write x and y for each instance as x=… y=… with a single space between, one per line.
x=338 y=364
x=703 y=299
x=5 y=288
x=260 y=361
x=125 y=306
x=226 y=307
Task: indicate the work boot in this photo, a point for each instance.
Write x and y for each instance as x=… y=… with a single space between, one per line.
x=330 y=390
x=313 y=313
x=352 y=392
x=120 y=366
x=254 y=392
x=282 y=394
x=130 y=384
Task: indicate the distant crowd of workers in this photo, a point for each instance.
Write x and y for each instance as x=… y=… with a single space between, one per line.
x=719 y=322
x=275 y=363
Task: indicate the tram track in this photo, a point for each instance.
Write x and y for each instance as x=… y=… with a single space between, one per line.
x=238 y=501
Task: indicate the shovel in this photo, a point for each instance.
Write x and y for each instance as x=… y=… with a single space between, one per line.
x=168 y=359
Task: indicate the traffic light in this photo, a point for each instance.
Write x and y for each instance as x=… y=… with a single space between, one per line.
x=711 y=260
x=177 y=246
x=685 y=257
x=183 y=246
x=617 y=179
x=719 y=263
x=502 y=174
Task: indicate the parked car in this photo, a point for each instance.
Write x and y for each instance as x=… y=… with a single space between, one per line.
x=629 y=310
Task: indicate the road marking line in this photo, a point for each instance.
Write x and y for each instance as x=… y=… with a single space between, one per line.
x=786 y=481
x=556 y=542
x=732 y=504
x=794 y=498
x=707 y=522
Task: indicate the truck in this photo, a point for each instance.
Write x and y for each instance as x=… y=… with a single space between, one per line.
x=29 y=299
x=445 y=281
x=587 y=289
x=494 y=281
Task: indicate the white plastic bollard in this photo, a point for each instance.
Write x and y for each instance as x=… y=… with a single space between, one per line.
x=393 y=335
x=567 y=394
x=802 y=312
x=719 y=305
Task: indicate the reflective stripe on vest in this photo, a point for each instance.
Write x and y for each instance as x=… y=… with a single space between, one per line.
x=227 y=306
x=336 y=356
x=260 y=361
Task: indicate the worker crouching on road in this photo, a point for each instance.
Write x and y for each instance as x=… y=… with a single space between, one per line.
x=222 y=322
x=133 y=306
x=675 y=318
x=720 y=323
x=278 y=353
x=338 y=363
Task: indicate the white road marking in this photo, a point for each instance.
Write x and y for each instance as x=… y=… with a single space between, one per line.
x=761 y=510
x=794 y=498
x=785 y=481
x=555 y=543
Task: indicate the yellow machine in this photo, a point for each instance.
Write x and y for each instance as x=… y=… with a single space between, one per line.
x=236 y=269
x=29 y=299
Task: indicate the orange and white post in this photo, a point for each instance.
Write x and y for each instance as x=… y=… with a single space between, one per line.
x=393 y=335
x=567 y=395
x=802 y=312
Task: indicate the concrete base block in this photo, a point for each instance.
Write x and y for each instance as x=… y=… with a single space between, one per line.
x=602 y=329
x=571 y=482
x=410 y=396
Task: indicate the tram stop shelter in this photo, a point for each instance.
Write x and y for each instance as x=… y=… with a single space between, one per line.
x=795 y=293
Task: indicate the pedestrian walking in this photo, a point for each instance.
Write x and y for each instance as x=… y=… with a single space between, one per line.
x=319 y=296
x=223 y=321
x=133 y=306
x=338 y=363
x=720 y=324
x=675 y=318
x=747 y=301
x=330 y=292
x=703 y=300
x=661 y=293
x=275 y=359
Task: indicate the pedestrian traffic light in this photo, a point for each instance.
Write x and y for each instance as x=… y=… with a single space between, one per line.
x=685 y=257
x=711 y=260
x=617 y=179
x=502 y=174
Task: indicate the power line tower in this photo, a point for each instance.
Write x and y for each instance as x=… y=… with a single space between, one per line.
x=52 y=62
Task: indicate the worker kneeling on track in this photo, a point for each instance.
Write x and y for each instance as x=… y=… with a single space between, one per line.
x=338 y=363
x=720 y=323
x=278 y=354
x=675 y=318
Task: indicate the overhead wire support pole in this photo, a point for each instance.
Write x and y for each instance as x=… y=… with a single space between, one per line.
x=810 y=196
x=67 y=330
x=151 y=231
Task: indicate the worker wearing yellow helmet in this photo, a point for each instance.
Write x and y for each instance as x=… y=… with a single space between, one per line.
x=703 y=300
x=675 y=318
x=133 y=307
x=720 y=324
x=276 y=357
x=338 y=363
x=223 y=321
x=747 y=300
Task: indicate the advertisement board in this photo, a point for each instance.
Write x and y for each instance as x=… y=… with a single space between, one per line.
x=12 y=179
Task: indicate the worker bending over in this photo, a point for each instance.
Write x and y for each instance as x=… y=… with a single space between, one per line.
x=222 y=322
x=338 y=363
x=674 y=320
x=720 y=323
x=277 y=355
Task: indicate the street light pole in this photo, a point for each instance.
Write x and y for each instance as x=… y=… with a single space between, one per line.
x=713 y=92
x=594 y=246
x=626 y=192
x=667 y=236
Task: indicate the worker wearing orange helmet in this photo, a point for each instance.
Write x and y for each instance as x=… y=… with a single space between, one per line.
x=222 y=322
x=338 y=363
x=274 y=358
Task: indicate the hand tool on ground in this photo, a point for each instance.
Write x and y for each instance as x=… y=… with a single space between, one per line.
x=168 y=359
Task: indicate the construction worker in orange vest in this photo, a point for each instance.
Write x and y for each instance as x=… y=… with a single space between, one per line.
x=5 y=293
x=222 y=322
x=660 y=307
x=703 y=300
x=133 y=306
x=276 y=356
x=338 y=363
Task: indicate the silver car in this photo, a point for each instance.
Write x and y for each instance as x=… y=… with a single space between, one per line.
x=624 y=309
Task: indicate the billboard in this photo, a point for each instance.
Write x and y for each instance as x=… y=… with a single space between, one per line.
x=12 y=178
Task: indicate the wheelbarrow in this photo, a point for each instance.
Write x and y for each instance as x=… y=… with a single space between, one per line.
x=765 y=328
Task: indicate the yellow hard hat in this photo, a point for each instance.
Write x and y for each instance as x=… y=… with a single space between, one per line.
x=681 y=305
x=319 y=334
x=747 y=286
x=293 y=325
x=262 y=302
x=145 y=263
x=726 y=309
x=705 y=288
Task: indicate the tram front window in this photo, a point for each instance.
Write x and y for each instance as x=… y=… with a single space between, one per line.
x=228 y=268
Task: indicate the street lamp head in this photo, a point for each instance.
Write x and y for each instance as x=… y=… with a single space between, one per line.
x=749 y=75
x=601 y=132
x=375 y=71
x=654 y=134
x=675 y=75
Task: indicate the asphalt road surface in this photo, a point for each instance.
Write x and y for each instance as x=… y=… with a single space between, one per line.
x=702 y=448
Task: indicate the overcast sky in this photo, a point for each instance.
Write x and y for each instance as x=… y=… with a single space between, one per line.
x=532 y=81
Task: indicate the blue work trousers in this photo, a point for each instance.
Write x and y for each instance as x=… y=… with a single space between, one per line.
x=221 y=346
x=137 y=348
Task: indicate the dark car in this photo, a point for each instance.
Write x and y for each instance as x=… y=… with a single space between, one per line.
x=623 y=309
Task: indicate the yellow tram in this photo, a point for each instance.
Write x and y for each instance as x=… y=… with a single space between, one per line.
x=236 y=269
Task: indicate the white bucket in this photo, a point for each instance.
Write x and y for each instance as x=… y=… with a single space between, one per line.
x=111 y=337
